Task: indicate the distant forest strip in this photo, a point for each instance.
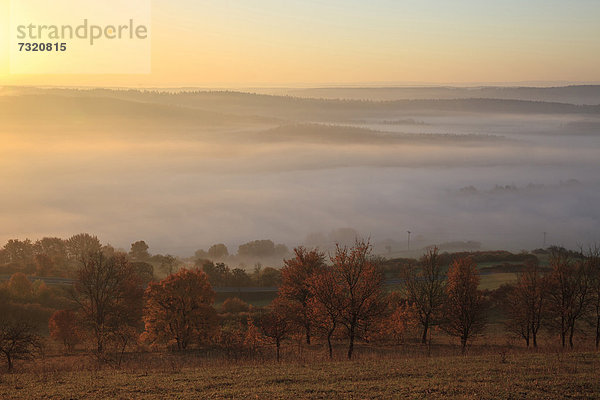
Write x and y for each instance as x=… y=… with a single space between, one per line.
x=258 y=108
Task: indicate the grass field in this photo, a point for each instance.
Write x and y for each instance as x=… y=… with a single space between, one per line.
x=494 y=281
x=519 y=375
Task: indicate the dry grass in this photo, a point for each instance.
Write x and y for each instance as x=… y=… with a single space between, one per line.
x=487 y=373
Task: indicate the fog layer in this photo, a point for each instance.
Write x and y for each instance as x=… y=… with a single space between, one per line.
x=184 y=171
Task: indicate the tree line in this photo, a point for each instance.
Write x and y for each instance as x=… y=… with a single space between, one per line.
x=57 y=257
x=117 y=306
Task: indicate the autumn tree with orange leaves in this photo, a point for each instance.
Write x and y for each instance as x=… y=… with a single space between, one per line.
x=465 y=307
x=252 y=336
x=395 y=322
x=325 y=305
x=180 y=309
x=526 y=303
x=64 y=326
x=275 y=325
x=355 y=293
x=295 y=285
x=239 y=337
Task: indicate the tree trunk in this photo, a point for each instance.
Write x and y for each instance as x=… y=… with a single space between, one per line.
x=308 y=334
x=425 y=329
x=571 y=332
x=597 y=332
x=463 y=343
x=278 y=344
x=99 y=332
x=329 y=334
x=123 y=348
x=563 y=332
x=9 y=362
x=351 y=344
x=534 y=334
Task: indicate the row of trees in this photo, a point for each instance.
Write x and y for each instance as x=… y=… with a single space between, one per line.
x=221 y=275
x=560 y=300
x=256 y=249
x=349 y=293
x=340 y=297
x=52 y=256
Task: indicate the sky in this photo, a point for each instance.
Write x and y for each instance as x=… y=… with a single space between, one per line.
x=232 y=43
x=259 y=190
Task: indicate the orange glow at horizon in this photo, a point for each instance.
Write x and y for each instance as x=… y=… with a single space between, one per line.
x=234 y=44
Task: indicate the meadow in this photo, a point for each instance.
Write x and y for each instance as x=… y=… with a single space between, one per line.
x=487 y=374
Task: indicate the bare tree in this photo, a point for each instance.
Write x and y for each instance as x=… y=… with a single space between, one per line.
x=569 y=291
x=425 y=289
x=18 y=340
x=109 y=294
x=593 y=266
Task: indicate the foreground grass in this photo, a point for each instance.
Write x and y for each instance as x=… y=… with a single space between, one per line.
x=516 y=376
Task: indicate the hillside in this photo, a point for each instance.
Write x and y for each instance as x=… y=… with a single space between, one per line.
x=574 y=94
